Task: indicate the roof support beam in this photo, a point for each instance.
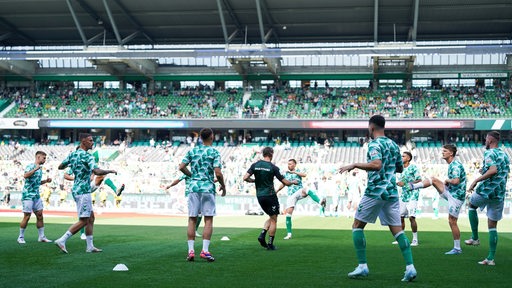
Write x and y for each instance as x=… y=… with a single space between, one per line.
x=130 y=37
x=113 y=23
x=94 y=15
x=415 y=21
x=15 y=30
x=95 y=37
x=134 y=21
x=260 y=21
x=376 y=21
x=223 y=23
x=270 y=21
x=77 y=23
x=5 y=36
x=231 y=12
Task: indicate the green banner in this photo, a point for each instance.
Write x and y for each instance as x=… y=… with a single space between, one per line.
x=493 y=124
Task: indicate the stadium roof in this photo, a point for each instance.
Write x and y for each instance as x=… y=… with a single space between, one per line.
x=160 y=22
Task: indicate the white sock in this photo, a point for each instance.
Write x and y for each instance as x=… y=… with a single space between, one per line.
x=414 y=236
x=89 y=242
x=190 y=245
x=41 y=232
x=22 y=233
x=365 y=265
x=456 y=244
x=206 y=245
x=408 y=267
x=66 y=236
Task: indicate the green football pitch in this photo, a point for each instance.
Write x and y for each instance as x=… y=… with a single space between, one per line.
x=320 y=254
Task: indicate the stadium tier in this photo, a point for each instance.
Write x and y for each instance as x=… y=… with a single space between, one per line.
x=330 y=103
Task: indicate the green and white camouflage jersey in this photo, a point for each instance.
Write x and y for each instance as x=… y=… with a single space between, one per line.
x=494 y=187
x=202 y=159
x=456 y=170
x=81 y=164
x=410 y=174
x=32 y=183
x=382 y=183
x=290 y=177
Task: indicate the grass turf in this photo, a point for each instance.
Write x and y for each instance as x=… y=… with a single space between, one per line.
x=320 y=255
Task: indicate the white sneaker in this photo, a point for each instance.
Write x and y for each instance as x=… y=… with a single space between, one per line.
x=61 y=245
x=415 y=243
x=94 y=250
x=198 y=234
x=472 y=242
x=83 y=237
x=359 y=272
x=487 y=262
x=288 y=237
x=44 y=239
x=21 y=240
x=394 y=242
x=409 y=275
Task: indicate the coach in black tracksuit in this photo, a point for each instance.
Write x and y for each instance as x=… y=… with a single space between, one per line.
x=264 y=172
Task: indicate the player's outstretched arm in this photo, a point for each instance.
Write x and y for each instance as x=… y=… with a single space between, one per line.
x=101 y=172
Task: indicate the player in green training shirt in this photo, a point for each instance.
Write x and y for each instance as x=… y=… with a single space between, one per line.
x=264 y=172
x=409 y=197
x=31 y=199
x=205 y=165
x=489 y=193
x=83 y=166
x=452 y=189
x=296 y=193
x=380 y=198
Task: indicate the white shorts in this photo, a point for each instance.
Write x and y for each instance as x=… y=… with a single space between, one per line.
x=84 y=205
x=291 y=201
x=201 y=203
x=388 y=212
x=30 y=206
x=408 y=209
x=494 y=207
x=454 y=204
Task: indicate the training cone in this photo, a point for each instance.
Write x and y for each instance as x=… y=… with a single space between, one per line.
x=224 y=238
x=120 y=267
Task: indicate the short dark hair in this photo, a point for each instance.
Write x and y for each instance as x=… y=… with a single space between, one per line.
x=495 y=135
x=293 y=160
x=206 y=133
x=408 y=154
x=267 y=152
x=82 y=136
x=378 y=120
x=40 y=153
x=452 y=148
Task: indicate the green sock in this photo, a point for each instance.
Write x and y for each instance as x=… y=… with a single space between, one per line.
x=360 y=245
x=111 y=184
x=405 y=247
x=473 y=221
x=493 y=242
x=436 y=212
x=313 y=196
x=82 y=231
x=289 y=224
x=322 y=210
x=198 y=221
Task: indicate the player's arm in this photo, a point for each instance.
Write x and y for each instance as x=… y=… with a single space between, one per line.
x=247 y=178
x=300 y=174
x=101 y=172
x=29 y=173
x=220 y=178
x=69 y=177
x=283 y=180
x=280 y=187
x=374 y=165
x=493 y=170
x=174 y=183
x=183 y=168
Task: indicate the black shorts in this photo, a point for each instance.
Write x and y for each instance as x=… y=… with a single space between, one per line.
x=269 y=204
